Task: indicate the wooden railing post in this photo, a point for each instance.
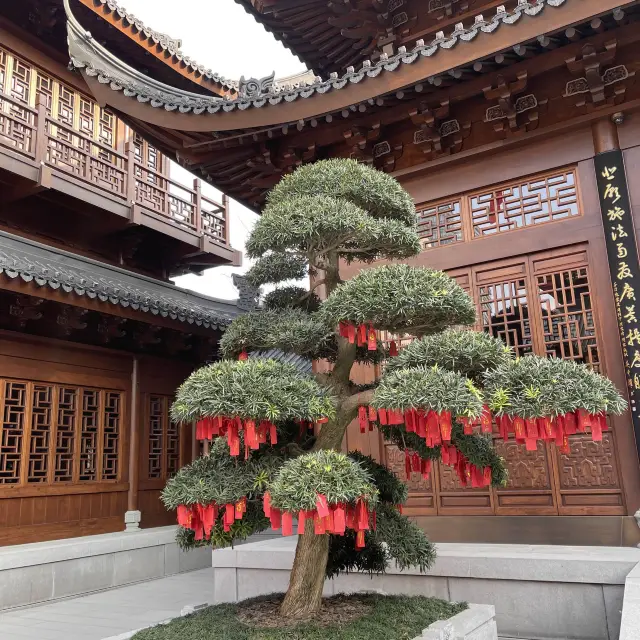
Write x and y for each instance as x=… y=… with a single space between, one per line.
x=197 y=187
x=41 y=141
x=225 y=205
x=130 y=186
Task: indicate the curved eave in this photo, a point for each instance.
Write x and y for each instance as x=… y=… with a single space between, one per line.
x=117 y=85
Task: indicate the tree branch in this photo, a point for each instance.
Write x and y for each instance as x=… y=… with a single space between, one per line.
x=358 y=399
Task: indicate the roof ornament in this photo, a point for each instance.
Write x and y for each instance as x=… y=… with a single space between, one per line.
x=252 y=88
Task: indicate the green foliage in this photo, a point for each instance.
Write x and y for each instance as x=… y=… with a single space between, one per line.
x=299 y=481
x=400 y=298
x=291 y=297
x=470 y=353
x=375 y=192
x=252 y=522
x=532 y=387
x=319 y=224
x=428 y=388
x=276 y=267
x=253 y=389
x=291 y=331
x=345 y=558
x=220 y=478
x=390 y=488
x=406 y=440
x=383 y=618
x=478 y=449
x=406 y=543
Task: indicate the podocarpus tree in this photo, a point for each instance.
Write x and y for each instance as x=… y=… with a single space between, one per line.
x=277 y=433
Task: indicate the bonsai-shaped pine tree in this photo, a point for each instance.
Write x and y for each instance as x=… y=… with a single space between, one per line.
x=277 y=432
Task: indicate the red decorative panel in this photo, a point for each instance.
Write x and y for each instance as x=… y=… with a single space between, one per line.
x=567 y=316
x=440 y=225
x=505 y=313
x=537 y=201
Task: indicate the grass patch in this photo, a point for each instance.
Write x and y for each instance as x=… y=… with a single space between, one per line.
x=351 y=617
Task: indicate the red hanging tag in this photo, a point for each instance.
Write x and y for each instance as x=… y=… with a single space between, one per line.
x=570 y=424
x=239 y=510
x=407 y=464
x=453 y=455
x=360 y=540
x=584 y=421
x=184 y=515
x=350 y=517
x=362 y=335
x=546 y=428
x=415 y=463
x=200 y=430
x=362 y=515
x=444 y=455
x=322 y=506
x=318 y=522
x=565 y=448
x=486 y=476
x=410 y=417
x=243 y=356
x=444 y=420
x=531 y=428
x=322 y=420
x=199 y=532
x=362 y=419
x=234 y=447
x=426 y=469
x=596 y=429
x=328 y=522
x=206 y=516
x=372 y=342
x=216 y=426
x=393 y=349
x=273 y=433
x=343 y=329
x=531 y=444
x=287 y=524
x=266 y=505
x=474 y=477
x=302 y=520
x=339 y=520
x=250 y=434
x=466 y=425
x=395 y=417
x=518 y=428
x=351 y=333
x=276 y=518
x=503 y=427
x=382 y=416
x=421 y=424
x=485 y=419
x=373 y=414
x=433 y=428
x=230 y=513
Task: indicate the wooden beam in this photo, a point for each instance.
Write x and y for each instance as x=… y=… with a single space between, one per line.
x=25 y=188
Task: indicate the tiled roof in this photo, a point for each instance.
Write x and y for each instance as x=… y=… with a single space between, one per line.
x=302 y=364
x=64 y=271
x=98 y=62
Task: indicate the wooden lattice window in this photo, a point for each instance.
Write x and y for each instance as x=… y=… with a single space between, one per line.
x=163 y=438
x=523 y=204
x=52 y=434
x=440 y=224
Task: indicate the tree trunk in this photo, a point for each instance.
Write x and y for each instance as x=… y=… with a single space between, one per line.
x=304 y=596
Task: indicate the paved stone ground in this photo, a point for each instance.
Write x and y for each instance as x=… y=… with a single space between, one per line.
x=109 y=613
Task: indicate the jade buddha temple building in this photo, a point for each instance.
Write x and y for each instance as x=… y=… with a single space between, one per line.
x=514 y=125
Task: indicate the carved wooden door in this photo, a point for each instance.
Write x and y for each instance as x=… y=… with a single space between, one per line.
x=544 y=304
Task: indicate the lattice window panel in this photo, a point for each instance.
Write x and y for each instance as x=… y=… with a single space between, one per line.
x=45 y=87
x=4 y=63
x=504 y=309
x=42 y=403
x=64 y=452
x=537 y=201
x=56 y=434
x=440 y=225
x=568 y=322
x=163 y=439
x=21 y=75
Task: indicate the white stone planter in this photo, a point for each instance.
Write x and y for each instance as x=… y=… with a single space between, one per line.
x=478 y=622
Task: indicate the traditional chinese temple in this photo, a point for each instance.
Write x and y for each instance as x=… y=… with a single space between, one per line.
x=514 y=125
x=94 y=337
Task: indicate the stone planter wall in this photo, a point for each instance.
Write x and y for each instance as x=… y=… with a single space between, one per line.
x=539 y=592
x=478 y=622
x=46 y=571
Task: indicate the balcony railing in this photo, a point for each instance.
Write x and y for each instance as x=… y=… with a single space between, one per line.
x=38 y=136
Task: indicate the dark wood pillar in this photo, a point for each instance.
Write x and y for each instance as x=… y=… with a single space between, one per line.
x=133 y=516
x=622 y=254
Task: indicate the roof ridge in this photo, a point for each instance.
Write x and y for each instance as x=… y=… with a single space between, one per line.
x=87 y=54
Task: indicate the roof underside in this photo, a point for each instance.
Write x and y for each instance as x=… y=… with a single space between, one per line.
x=60 y=270
x=243 y=146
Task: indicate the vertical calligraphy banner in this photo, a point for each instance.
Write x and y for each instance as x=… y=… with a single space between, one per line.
x=622 y=252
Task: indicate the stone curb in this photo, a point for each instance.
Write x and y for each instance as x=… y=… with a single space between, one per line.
x=478 y=621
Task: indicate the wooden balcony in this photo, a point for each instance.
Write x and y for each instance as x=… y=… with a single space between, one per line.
x=48 y=154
